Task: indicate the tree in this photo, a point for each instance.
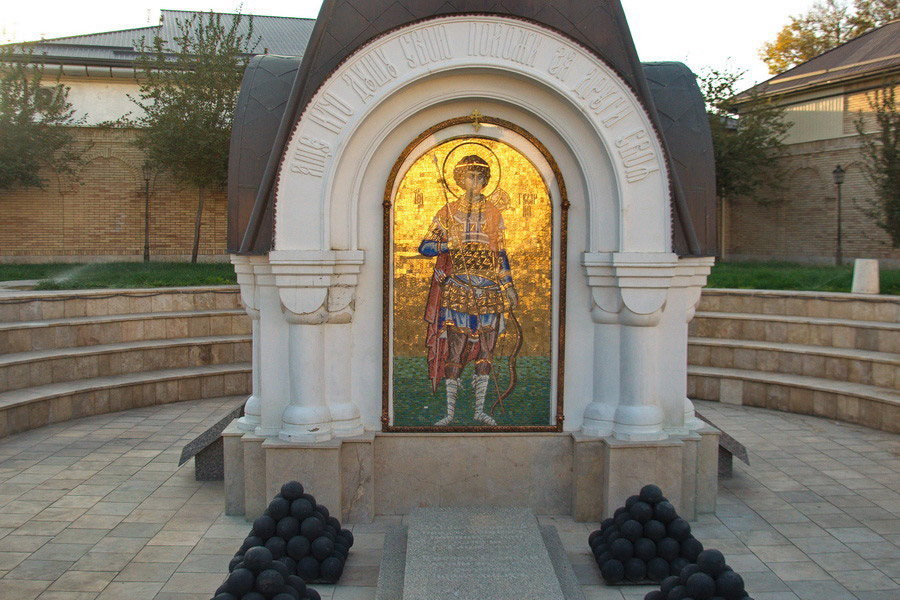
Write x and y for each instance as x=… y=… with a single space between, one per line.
x=34 y=122
x=827 y=24
x=881 y=156
x=188 y=97
x=746 y=142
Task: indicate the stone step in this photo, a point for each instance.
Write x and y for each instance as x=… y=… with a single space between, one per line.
x=876 y=336
x=879 y=369
x=24 y=409
x=42 y=367
x=18 y=306
x=27 y=336
x=872 y=406
x=854 y=307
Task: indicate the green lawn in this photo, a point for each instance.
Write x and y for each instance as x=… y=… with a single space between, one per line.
x=753 y=276
x=789 y=276
x=120 y=275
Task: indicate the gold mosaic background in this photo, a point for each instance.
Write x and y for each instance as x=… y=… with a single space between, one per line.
x=529 y=244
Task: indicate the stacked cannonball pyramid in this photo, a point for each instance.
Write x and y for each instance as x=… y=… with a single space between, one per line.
x=709 y=579
x=644 y=540
x=294 y=543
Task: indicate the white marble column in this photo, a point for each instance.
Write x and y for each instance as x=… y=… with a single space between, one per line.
x=629 y=292
x=243 y=266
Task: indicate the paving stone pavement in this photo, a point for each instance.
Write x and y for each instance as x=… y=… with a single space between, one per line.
x=96 y=509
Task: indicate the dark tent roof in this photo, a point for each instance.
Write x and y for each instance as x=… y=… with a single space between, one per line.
x=877 y=51
x=345 y=25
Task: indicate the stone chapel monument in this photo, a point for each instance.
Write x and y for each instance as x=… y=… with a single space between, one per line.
x=470 y=241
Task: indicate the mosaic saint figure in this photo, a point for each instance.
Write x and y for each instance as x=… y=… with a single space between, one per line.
x=471 y=285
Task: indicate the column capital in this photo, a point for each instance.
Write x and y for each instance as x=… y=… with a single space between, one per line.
x=629 y=288
x=316 y=287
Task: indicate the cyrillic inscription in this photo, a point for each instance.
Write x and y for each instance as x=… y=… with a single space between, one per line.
x=425 y=46
x=309 y=157
x=636 y=151
x=503 y=41
x=562 y=60
x=603 y=98
x=369 y=73
x=330 y=112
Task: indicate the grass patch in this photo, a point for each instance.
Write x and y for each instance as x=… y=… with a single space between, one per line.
x=121 y=275
x=790 y=276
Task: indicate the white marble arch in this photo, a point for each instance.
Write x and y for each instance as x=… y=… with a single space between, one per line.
x=320 y=298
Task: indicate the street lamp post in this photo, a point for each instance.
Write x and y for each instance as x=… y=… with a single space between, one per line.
x=838 y=174
x=147 y=170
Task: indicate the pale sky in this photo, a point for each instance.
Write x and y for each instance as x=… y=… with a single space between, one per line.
x=700 y=33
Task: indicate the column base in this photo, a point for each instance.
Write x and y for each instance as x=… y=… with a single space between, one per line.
x=306 y=424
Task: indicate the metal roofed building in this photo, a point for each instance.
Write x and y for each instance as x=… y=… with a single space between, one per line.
x=824 y=98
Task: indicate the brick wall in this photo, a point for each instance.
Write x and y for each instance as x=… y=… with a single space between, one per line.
x=801 y=224
x=103 y=216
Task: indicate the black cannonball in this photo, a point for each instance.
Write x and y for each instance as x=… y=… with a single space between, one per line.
x=301 y=509
x=334 y=523
x=269 y=582
x=249 y=542
x=282 y=568
x=711 y=562
x=594 y=535
x=277 y=546
x=332 y=569
x=701 y=586
x=668 y=583
x=224 y=596
x=311 y=528
x=289 y=562
x=239 y=582
x=654 y=530
x=321 y=548
x=330 y=531
x=677 y=565
x=234 y=562
x=631 y=530
x=309 y=498
x=341 y=546
x=287 y=528
x=613 y=535
x=631 y=500
x=308 y=568
x=621 y=518
x=279 y=508
x=686 y=572
x=619 y=511
x=746 y=598
x=297 y=547
x=597 y=540
x=253 y=596
x=621 y=550
x=691 y=548
x=679 y=529
x=317 y=513
x=347 y=535
x=651 y=494
x=641 y=512
x=668 y=548
x=603 y=558
x=297 y=583
x=664 y=512
x=635 y=570
x=654 y=595
x=606 y=524
x=657 y=569
x=679 y=592
x=284 y=596
x=291 y=490
x=312 y=594
x=258 y=558
x=324 y=510
x=729 y=585
x=644 y=549
x=599 y=549
x=264 y=527
x=613 y=571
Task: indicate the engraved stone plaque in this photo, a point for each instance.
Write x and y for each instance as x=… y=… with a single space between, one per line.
x=478 y=554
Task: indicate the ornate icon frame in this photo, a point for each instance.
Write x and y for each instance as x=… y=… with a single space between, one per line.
x=387 y=273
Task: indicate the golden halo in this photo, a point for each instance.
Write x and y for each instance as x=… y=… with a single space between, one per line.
x=466 y=149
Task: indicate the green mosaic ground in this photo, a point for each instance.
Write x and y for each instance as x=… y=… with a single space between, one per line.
x=416 y=406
